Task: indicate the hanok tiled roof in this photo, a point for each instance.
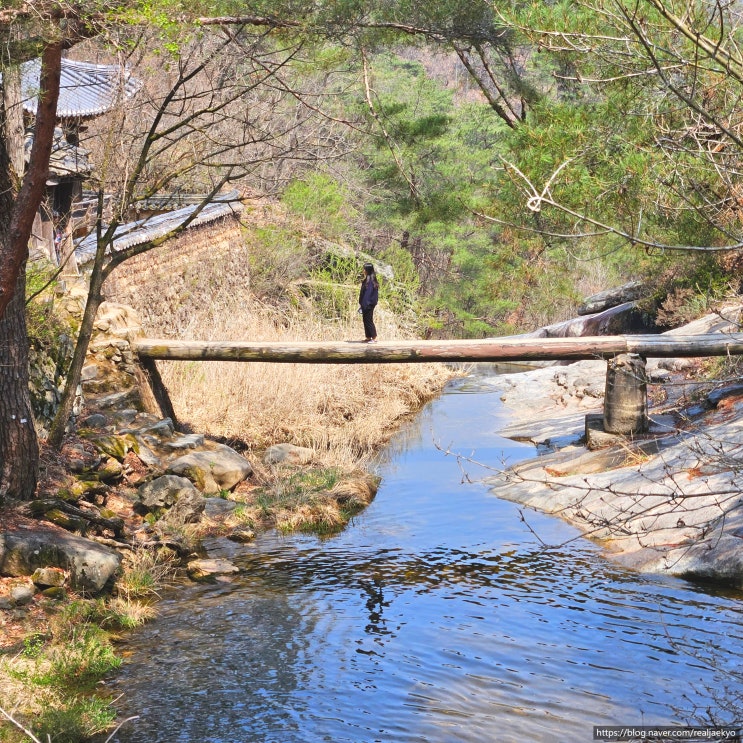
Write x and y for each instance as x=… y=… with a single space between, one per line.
x=66 y=160
x=86 y=90
x=151 y=228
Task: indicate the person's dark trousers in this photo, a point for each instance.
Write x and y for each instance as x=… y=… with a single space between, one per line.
x=369 y=328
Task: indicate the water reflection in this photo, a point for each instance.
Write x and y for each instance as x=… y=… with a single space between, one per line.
x=436 y=617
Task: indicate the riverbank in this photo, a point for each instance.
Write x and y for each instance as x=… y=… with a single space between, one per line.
x=124 y=506
x=668 y=502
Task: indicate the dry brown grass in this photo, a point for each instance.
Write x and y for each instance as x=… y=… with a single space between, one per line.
x=344 y=412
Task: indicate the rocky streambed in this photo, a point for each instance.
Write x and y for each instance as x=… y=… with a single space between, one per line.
x=126 y=479
x=669 y=501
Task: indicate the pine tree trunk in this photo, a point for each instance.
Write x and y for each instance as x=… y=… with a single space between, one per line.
x=20 y=196
x=19 y=450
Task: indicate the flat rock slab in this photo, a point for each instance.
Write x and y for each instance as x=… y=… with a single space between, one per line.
x=562 y=430
x=674 y=506
x=210 y=568
x=669 y=502
x=90 y=565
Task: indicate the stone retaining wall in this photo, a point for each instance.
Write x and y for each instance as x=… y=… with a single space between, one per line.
x=161 y=283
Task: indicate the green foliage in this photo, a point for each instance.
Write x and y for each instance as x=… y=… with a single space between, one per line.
x=81 y=662
x=464 y=300
x=417 y=115
x=695 y=287
x=709 y=278
x=277 y=257
x=109 y=614
x=46 y=329
x=73 y=665
x=406 y=276
x=448 y=148
x=320 y=200
x=300 y=501
x=33 y=645
x=335 y=279
x=648 y=151
x=297 y=485
x=75 y=723
x=334 y=284
x=50 y=338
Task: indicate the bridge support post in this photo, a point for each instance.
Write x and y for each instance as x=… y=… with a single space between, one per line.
x=154 y=392
x=626 y=395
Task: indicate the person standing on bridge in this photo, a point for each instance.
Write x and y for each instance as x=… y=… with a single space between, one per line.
x=368 y=298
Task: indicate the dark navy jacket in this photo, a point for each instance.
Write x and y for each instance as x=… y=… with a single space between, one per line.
x=368 y=295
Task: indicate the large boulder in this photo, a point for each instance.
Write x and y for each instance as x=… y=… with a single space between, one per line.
x=164 y=492
x=609 y=298
x=618 y=320
x=214 y=470
x=90 y=565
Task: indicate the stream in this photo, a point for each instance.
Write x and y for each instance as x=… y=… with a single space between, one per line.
x=438 y=615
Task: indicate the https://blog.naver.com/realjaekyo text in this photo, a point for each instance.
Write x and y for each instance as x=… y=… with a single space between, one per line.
x=670 y=733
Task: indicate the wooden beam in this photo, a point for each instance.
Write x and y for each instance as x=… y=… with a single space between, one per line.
x=510 y=348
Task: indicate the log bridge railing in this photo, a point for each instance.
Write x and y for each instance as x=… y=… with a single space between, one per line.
x=625 y=402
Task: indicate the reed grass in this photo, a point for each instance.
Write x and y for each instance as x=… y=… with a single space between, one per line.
x=344 y=412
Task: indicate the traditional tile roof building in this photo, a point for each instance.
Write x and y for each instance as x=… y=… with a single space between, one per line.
x=87 y=91
x=153 y=227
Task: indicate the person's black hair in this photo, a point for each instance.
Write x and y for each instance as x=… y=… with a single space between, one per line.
x=371 y=273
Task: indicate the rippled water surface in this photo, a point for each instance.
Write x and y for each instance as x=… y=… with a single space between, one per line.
x=436 y=616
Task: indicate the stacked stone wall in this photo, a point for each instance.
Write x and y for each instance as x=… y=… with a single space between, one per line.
x=166 y=284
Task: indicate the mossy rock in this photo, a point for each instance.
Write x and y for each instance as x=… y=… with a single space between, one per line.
x=111 y=470
x=66 y=521
x=58 y=593
x=72 y=494
x=48 y=577
x=81 y=488
x=241 y=535
x=200 y=479
x=114 y=445
x=112 y=382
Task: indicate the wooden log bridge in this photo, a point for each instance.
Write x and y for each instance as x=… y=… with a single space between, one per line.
x=625 y=399
x=508 y=348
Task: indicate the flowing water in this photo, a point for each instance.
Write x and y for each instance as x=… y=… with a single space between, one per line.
x=437 y=615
